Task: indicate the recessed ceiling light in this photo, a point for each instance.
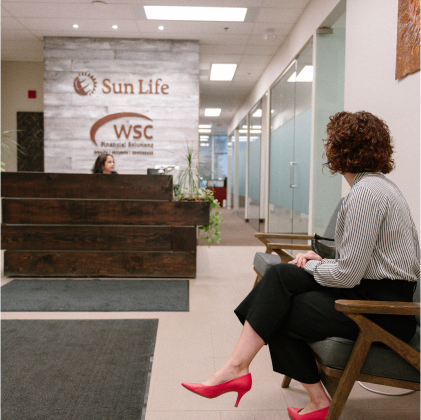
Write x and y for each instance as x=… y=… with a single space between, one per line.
x=258 y=113
x=161 y=28
x=115 y=27
x=205 y=125
x=212 y=112
x=75 y=26
x=204 y=130
x=215 y=14
x=222 y=72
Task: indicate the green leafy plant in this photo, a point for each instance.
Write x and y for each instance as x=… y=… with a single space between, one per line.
x=212 y=234
x=9 y=147
x=189 y=180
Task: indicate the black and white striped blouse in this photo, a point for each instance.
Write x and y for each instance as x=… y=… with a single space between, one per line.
x=375 y=237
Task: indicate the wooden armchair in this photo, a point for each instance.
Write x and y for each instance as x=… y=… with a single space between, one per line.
x=376 y=357
x=263 y=262
x=277 y=252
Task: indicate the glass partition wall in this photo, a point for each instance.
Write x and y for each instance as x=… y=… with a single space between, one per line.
x=255 y=134
x=213 y=158
x=238 y=167
x=290 y=141
x=242 y=165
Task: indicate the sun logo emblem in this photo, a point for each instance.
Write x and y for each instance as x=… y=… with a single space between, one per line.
x=85 y=84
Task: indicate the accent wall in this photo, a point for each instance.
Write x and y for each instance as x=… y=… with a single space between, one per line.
x=135 y=99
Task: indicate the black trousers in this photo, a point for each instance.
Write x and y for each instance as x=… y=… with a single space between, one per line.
x=288 y=308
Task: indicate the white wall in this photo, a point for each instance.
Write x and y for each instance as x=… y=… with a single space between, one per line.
x=371 y=30
x=16 y=79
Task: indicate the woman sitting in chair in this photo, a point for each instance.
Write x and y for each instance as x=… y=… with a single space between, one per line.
x=377 y=258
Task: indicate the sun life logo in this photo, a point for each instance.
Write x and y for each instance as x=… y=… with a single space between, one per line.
x=85 y=84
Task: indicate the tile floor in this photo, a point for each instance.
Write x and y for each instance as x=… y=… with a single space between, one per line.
x=191 y=345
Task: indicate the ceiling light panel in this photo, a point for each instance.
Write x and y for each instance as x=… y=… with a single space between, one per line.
x=223 y=72
x=214 y=14
x=212 y=112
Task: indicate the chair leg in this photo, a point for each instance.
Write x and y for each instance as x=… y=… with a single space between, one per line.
x=330 y=383
x=286 y=381
x=258 y=278
x=353 y=367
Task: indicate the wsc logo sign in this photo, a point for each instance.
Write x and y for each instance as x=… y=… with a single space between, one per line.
x=137 y=131
x=85 y=84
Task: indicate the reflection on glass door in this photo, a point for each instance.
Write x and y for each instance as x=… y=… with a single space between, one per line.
x=289 y=172
x=242 y=162
x=255 y=132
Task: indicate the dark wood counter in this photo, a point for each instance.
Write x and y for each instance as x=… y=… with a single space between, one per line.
x=83 y=225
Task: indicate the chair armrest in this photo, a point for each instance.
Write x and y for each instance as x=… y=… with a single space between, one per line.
x=282 y=236
x=276 y=245
x=377 y=307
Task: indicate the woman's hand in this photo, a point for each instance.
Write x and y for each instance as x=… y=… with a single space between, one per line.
x=301 y=259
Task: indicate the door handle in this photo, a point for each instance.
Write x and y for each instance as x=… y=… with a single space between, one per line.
x=291 y=174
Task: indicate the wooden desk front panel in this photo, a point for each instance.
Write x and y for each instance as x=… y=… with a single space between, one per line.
x=114 y=212
x=98 y=238
x=99 y=264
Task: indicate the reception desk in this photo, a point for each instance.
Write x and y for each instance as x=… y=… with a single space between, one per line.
x=83 y=225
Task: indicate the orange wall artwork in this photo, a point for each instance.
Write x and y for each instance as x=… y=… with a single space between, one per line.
x=408 y=42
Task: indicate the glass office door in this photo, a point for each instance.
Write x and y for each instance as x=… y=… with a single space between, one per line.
x=255 y=132
x=242 y=165
x=290 y=138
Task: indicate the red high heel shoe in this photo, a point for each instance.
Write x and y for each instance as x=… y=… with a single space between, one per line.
x=241 y=385
x=314 y=415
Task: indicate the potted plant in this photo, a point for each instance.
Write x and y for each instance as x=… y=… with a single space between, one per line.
x=9 y=148
x=189 y=187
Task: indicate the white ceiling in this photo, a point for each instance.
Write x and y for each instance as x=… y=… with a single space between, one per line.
x=25 y=23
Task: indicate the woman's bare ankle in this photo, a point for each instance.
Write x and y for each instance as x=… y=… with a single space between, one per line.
x=312 y=406
x=226 y=374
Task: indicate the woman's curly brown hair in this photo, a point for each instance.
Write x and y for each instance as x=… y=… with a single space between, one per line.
x=358 y=142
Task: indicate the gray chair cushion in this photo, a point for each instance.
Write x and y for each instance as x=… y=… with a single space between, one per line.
x=262 y=262
x=381 y=361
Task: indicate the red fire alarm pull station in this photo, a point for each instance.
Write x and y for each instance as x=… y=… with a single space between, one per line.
x=32 y=94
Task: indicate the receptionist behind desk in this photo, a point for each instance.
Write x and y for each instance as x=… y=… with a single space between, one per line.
x=104 y=164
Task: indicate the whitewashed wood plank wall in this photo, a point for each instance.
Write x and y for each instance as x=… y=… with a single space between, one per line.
x=168 y=96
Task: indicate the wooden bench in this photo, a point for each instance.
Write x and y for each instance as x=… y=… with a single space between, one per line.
x=83 y=225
